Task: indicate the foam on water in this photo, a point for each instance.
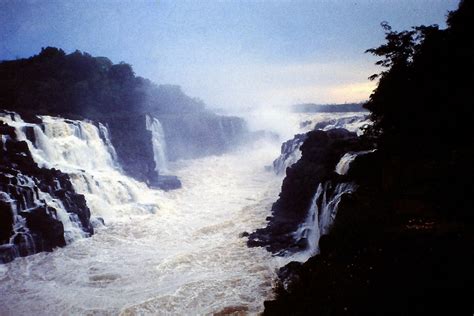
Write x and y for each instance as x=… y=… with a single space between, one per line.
x=176 y=252
x=77 y=148
x=186 y=258
x=321 y=215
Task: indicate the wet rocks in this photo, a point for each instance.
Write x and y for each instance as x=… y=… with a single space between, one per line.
x=28 y=224
x=321 y=151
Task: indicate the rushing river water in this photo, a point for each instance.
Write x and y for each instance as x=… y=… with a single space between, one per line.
x=187 y=258
x=178 y=252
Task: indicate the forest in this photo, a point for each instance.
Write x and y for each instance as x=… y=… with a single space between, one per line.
x=78 y=85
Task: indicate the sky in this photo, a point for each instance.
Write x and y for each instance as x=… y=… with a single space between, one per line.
x=230 y=54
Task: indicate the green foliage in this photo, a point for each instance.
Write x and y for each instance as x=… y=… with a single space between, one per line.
x=79 y=85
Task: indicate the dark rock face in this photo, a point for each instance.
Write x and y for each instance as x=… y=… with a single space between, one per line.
x=391 y=250
x=27 y=223
x=290 y=153
x=290 y=150
x=192 y=135
x=400 y=245
x=133 y=144
x=57 y=84
x=187 y=136
x=321 y=151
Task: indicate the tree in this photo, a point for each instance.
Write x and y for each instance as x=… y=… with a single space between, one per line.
x=422 y=97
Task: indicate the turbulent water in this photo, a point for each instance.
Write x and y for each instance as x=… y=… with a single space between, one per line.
x=183 y=255
x=177 y=252
x=321 y=215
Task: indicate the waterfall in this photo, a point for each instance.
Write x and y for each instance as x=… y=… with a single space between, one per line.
x=290 y=153
x=344 y=163
x=309 y=229
x=24 y=196
x=321 y=214
x=159 y=144
x=189 y=251
x=104 y=133
x=77 y=148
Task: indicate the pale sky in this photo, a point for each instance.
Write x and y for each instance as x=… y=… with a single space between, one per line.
x=230 y=54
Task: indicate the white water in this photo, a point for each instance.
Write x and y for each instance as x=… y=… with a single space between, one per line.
x=321 y=215
x=160 y=253
x=176 y=252
x=32 y=197
x=344 y=163
x=291 y=153
x=75 y=147
x=286 y=124
x=159 y=143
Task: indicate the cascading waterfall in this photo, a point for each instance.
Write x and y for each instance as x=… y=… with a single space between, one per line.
x=290 y=150
x=68 y=145
x=159 y=143
x=290 y=154
x=21 y=242
x=186 y=258
x=321 y=214
x=104 y=133
x=344 y=163
x=310 y=229
x=23 y=196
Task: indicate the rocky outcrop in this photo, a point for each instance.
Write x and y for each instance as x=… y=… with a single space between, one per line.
x=321 y=152
x=290 y=150
x=192 y=135
x=133 y=144
x=185 y=136
x=39 y=209
x=393 y=248
x=289 y=154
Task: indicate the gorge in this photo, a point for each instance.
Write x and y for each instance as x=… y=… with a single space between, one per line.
x=119 y=196
x=177 y=239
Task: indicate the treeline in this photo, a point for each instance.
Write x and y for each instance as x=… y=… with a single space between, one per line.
x=424 y=97
x=79 y=85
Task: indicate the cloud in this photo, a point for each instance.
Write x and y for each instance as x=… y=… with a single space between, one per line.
x=258 y=84
x=320 y=93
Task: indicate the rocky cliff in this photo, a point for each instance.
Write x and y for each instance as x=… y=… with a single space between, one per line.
x=39 y=209
x=191 y=135
x=321 y=152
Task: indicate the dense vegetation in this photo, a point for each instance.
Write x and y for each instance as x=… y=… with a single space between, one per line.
x=424 y=96
x=79 y=85
x=402 y=244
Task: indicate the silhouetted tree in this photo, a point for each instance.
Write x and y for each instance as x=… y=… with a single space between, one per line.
x=423 y=97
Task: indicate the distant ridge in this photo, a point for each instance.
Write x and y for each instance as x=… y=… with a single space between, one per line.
x=329 y=108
